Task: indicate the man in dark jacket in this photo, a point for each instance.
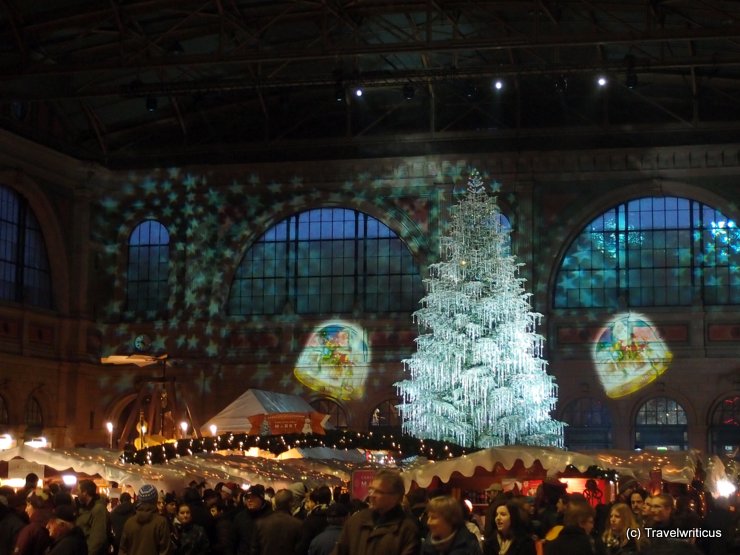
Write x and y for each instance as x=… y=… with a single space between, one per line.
x=119 y=516
x=147 y=532
x=324 y=543
x=279 y=532
x=10 y=524
x=384 y=528
x=315 y=521
x=245 y=522
x=93 y=518
x=66 y=537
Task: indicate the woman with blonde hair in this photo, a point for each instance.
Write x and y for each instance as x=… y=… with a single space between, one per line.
x=448 y=534
x=616 y=539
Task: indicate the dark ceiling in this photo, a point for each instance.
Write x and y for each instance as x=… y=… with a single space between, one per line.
x=158 y=82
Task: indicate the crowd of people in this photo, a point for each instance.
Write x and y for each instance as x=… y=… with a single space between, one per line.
x=230 y=520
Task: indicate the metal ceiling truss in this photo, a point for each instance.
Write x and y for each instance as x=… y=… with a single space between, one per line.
x=211 y=59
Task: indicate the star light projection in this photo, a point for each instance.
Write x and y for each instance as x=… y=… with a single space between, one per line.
x=629 y=354
x=211 y=221
x=478 y=377
x=652 y=251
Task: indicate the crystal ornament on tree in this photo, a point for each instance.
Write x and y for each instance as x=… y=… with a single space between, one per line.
x=477 y=377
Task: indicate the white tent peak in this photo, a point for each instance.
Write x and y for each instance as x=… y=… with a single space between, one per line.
x=235 y=417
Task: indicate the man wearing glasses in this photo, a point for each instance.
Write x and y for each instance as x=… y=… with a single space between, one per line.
x=384 y=528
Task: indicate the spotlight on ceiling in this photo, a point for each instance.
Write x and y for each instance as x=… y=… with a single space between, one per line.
x=630 y=75
x=498 y=84
x=151 y=103
x=358 y=91
x=408 y=91
x=561 y=84
x=602 y=81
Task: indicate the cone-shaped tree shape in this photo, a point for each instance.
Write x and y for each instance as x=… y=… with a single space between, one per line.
x=478 y=377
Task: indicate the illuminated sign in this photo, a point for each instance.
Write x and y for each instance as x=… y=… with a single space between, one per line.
x=335 y=361
x=629 y=354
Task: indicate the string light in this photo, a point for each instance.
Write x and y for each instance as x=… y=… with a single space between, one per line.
x=399 y=445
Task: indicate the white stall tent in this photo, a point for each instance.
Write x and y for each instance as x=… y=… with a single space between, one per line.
x=235 y=417
x=104 y=463
x=676 y=466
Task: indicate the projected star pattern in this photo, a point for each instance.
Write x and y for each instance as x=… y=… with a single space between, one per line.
x=210 y=227
x=642 y=253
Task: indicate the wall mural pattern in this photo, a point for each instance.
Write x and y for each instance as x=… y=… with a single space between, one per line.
x=211 y=224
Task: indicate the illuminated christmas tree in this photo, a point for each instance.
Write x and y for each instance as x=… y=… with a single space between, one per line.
x=478 y=377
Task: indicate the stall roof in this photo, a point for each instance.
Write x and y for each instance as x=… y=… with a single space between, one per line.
x=324 y=453
x=104 y=463
x=235 y=417
x=676 y=466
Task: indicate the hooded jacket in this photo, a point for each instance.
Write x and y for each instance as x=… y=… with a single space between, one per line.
x=146 y=533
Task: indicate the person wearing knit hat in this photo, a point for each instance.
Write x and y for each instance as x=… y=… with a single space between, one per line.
x=66 y=537
x=39 y=499
x=299 y=492
x=146 y=531
x=245 y=521
x=147 y=494
x=229 y=491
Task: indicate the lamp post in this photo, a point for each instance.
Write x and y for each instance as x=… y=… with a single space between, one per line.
x=109 y=427
x=184 y=428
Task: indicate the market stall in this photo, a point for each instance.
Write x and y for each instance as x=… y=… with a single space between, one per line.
x=103 y=463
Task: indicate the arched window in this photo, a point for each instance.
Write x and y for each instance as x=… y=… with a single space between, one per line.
x=326 y=260
x=589 y=424
x=4 y=417
x=24 y=265
x=661 y=423
x=34 y=417
x=654 y=251
x=386 y=416
x=148 y=269
x=506 y=226
x=725 y=427
x=337 y=415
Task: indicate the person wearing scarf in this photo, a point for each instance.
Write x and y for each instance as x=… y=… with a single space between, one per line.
x=448 y=534
x=615 y=537
x=510 y=535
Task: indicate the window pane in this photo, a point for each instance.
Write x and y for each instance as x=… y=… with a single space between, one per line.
x=25 y=276
x=662 y=246
x=148 y=269
x=340 y=255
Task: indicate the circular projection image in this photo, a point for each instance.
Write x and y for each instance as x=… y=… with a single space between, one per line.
x=334 y=361
x=629 y=354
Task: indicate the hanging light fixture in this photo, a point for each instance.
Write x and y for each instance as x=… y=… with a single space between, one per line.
x=408 y=91
x=339 y=91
